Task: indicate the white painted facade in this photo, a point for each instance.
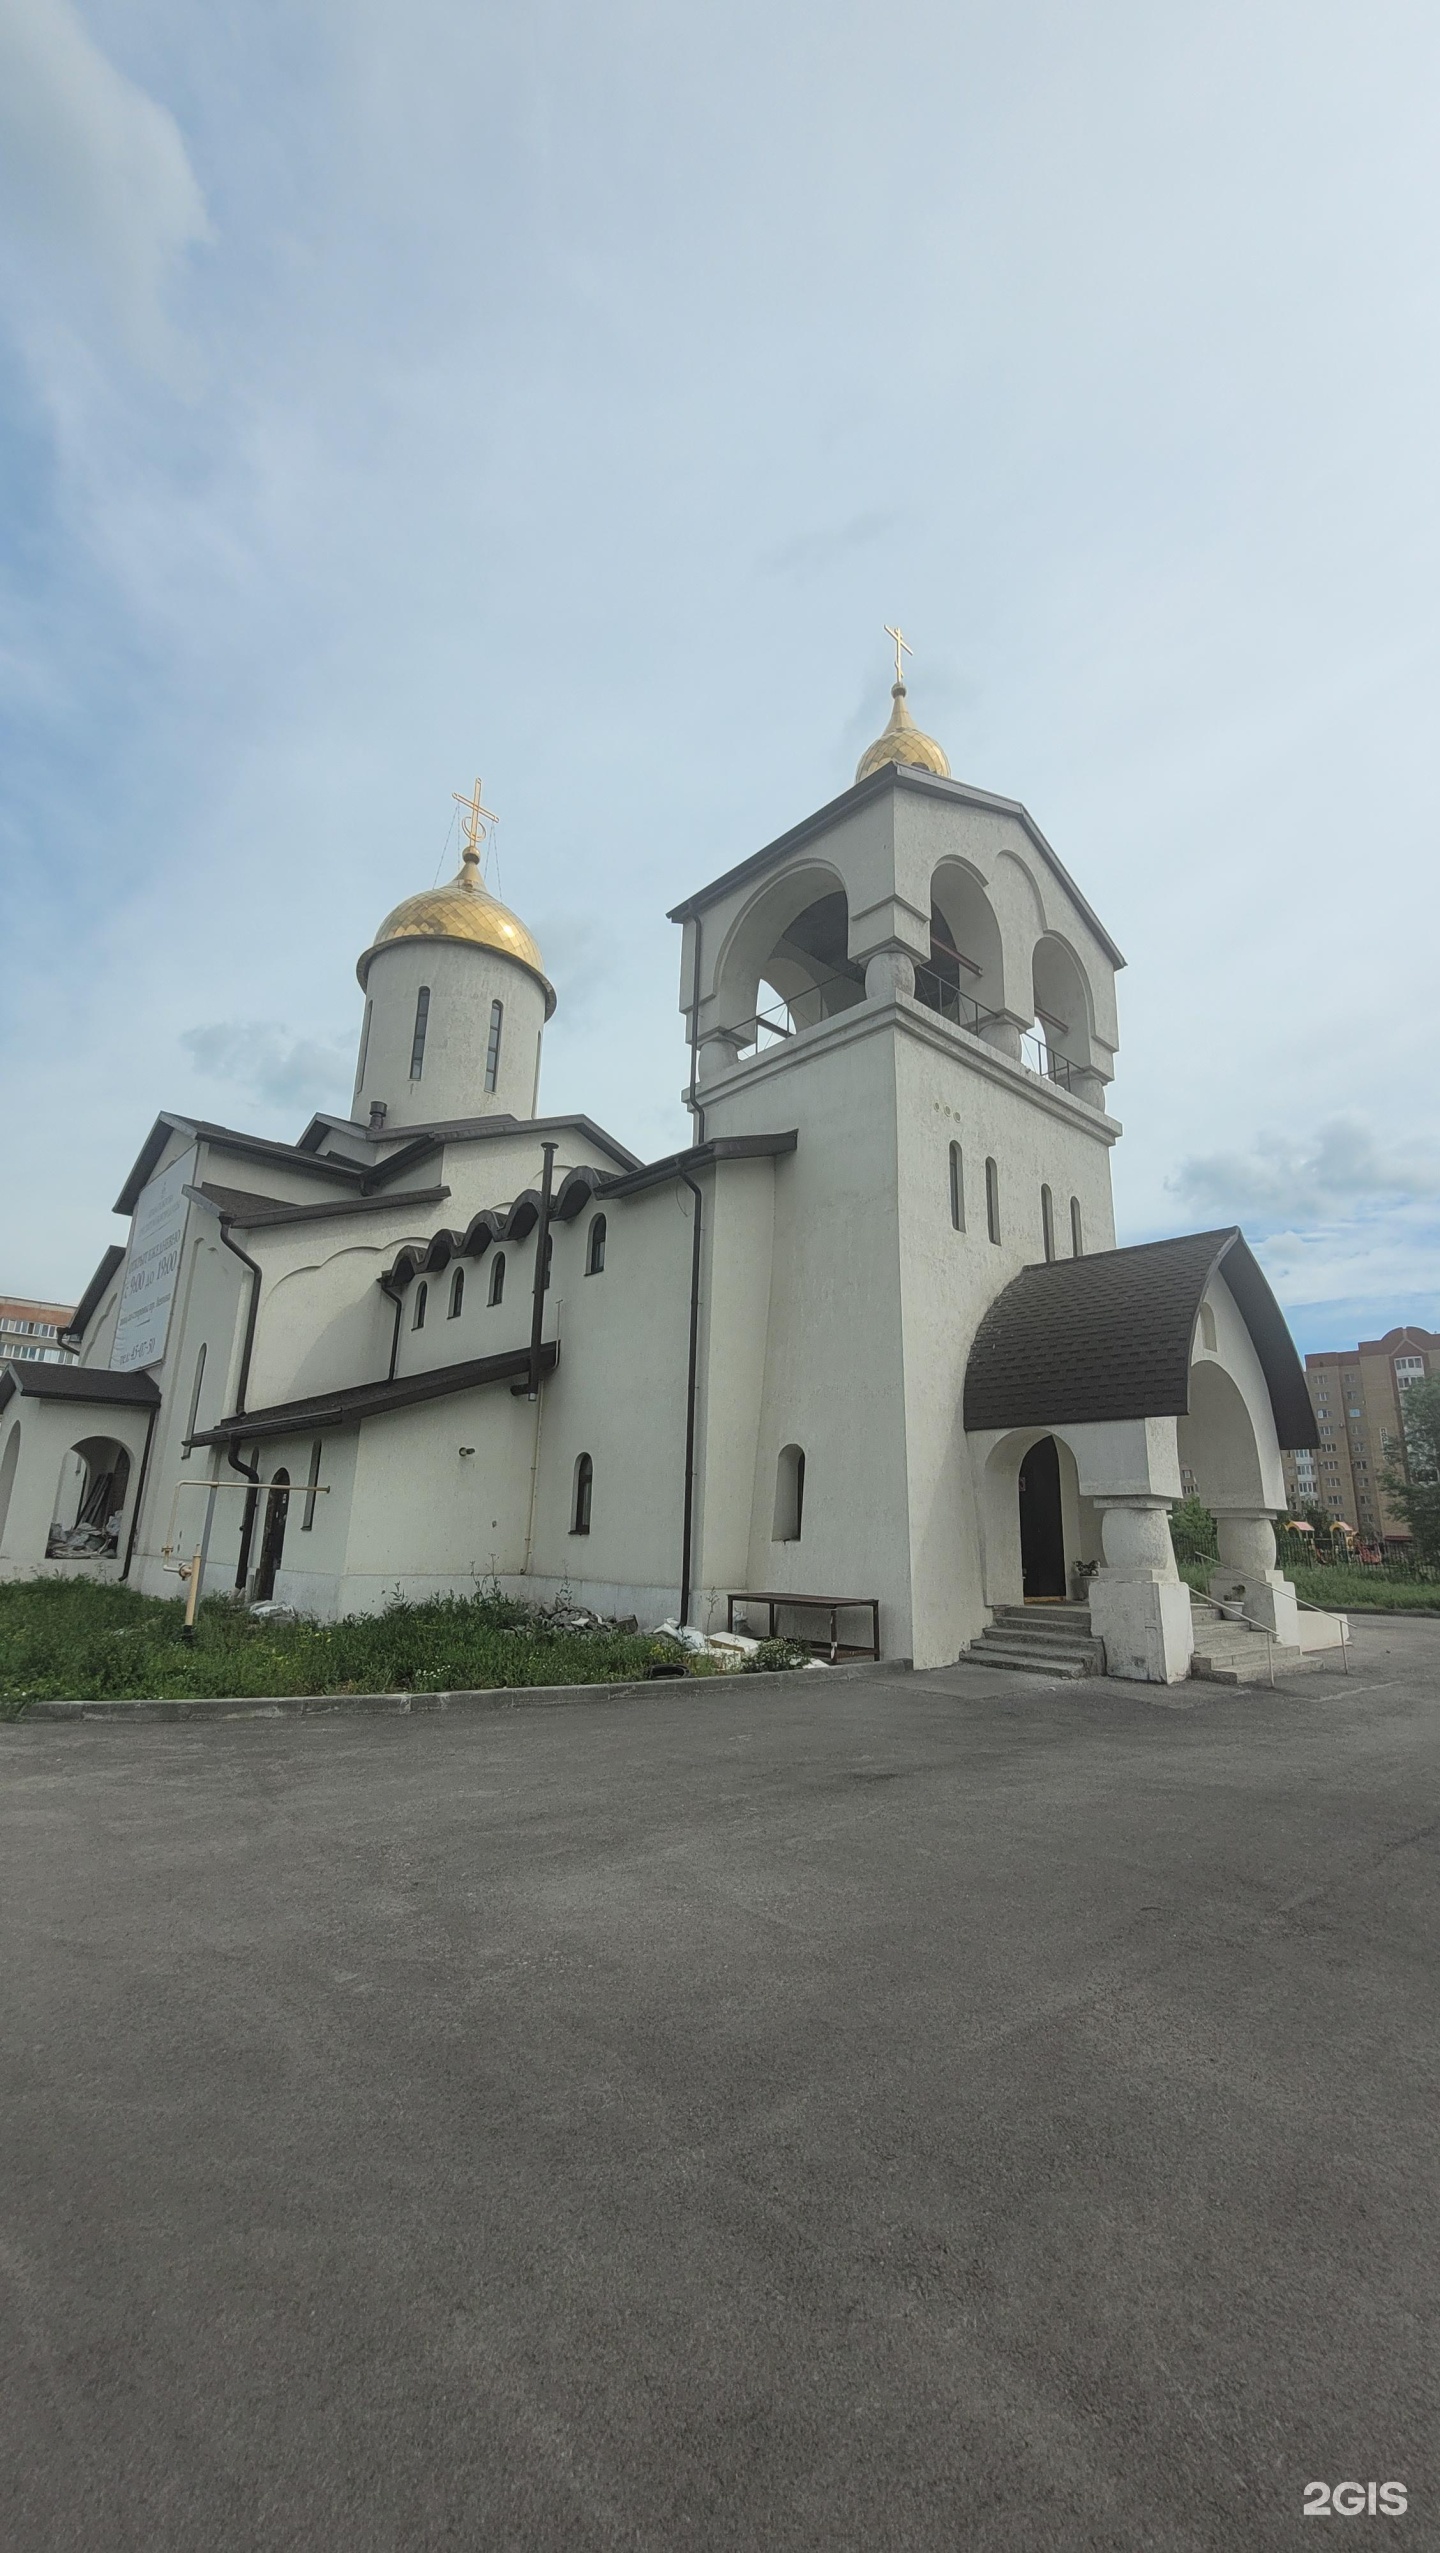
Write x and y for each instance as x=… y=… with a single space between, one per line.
x=917 y=930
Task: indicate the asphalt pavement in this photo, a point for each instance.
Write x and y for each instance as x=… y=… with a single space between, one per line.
x=908 y=2112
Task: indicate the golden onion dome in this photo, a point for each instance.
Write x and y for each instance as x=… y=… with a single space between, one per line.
x=463 y=910
x=903 y=741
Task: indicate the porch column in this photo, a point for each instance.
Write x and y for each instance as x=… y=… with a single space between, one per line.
x=719 y=1052
x=1004 y=1029
x=1139 y=1605
x=889 y=971
x=1245 y=1574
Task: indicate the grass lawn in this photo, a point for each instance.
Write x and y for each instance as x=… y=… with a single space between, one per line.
x=1342 y=1590
x=67 y=1639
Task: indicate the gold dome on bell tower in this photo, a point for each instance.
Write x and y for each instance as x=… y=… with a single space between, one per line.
x=902 y=740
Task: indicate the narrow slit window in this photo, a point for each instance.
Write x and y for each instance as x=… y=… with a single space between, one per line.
x=307 y=1520
x=497 y=1277
x=992 y=1200
x=789 y=1494
x=584 y=1492
x=193 y=1420
x=1047 y=1222
x=957 y=1187
x=417 y=1042
x=492 y=1051
x=457 y=1294
x=1077 y=1231
x=422 y=1297
x=364 y=1046
x=595 y=1254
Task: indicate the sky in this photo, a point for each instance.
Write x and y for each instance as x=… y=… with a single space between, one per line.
x=570 y=395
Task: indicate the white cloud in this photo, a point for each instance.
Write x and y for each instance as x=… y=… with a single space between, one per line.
x=269 y=1063
x=96 y=188
x=1282 y=1179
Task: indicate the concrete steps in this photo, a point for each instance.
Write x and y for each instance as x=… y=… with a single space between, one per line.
x=1231 y=1653
x=1050 y=1639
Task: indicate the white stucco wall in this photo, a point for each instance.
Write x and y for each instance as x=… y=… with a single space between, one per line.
x=463 y=982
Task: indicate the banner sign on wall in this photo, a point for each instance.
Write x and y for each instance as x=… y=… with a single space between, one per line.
x=156 y=1235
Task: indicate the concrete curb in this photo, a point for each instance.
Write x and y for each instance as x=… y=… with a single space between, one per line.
x=1391 y=1612
x=496 y=1697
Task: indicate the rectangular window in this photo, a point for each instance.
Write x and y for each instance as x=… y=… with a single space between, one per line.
x=417 y=1043
x=992 y=1200
x=957 y=1187
x=1047 y=1222
x=492 y=1051
x=308 y=1518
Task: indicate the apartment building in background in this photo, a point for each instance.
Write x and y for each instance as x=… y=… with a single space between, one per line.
x=34 y=1332
x=1358 y=1397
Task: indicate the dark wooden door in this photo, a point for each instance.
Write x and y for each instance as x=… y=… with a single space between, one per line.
x=1042 y=1533
x=272 y=1541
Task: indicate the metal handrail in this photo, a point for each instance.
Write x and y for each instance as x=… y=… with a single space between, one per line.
x=935 y=993
x=1228 y=1607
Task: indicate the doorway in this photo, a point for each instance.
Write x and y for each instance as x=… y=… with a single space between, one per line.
x=272 y=1541
x=1042 y=1531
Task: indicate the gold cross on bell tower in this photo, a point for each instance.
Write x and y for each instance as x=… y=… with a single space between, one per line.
x=476 y=817
x=901 y=643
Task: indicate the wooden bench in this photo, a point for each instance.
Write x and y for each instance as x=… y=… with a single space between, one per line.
x=833 y=1605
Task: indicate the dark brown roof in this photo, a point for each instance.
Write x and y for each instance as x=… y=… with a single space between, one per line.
x=515 y=1221
x=242 y=1206
x=1110 y=1336
x=461 y=1130
x=93 y=1383
x=371 y=1400
x=85 y=1309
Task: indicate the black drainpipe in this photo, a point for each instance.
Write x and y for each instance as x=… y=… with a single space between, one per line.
x=247 y=1471
x=398 y=1299
x=537 y=1309
x=692 y=1385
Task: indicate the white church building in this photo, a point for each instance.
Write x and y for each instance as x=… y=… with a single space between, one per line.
x=867 y=1339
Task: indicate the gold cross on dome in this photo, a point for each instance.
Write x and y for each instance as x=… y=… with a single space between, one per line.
x=900 y=642
x=476 y=817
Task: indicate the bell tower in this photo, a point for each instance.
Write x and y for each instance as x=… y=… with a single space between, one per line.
x=910 y=979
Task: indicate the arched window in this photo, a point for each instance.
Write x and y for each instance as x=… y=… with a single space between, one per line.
x=307 y=1520
x=497 y=1277
x=1207 y=1328
x=417 y=1042
x=457 y=1294
x=1077 y=1230
x=194 y=1405
x=492 y=1051
x=584 y=1490
x=992 y=1200
x=595 y=1253
x=957 y=1187
x=422 y=1297
x=1047 y=1221
x=789 y=1494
